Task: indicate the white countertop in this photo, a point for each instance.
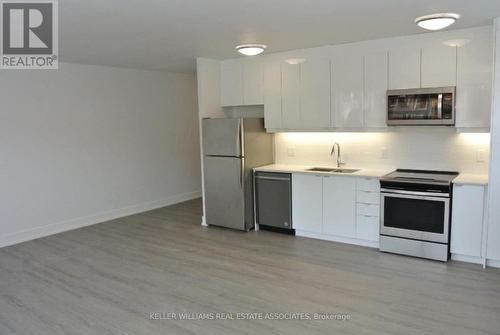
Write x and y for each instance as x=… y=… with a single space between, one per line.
x=285 y=168
x=471 y=179
x=463 y=178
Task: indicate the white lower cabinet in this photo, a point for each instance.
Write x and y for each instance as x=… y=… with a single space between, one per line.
x=347 y=209
x=367 y=209
x=307 y=202
x=367 y=227
x=467 y=220
x=339 y=206
x=326 y=207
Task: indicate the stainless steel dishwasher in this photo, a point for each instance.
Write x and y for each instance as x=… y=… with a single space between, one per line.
x=273 y=198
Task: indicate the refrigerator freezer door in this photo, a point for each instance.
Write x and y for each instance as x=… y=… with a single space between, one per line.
x=222 y=137
x=224 y=192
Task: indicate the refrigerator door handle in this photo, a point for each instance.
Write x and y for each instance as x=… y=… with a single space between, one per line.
x=242 y=173
x=242 y=139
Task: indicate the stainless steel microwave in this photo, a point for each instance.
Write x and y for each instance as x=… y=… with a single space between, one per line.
x=421 y=107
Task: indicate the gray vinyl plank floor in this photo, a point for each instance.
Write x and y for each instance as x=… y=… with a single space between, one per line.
x=109 y=278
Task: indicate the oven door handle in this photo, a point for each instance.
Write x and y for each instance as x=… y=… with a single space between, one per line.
x=423 y=194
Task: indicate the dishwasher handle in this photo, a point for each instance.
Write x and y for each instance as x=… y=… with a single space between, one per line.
x=272 y=178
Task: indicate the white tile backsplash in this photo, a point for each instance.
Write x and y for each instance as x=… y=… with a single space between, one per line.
x=419 y=148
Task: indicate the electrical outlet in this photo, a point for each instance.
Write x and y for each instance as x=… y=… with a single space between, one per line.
x=290 y=151
x=480 y=156
x=383 y=153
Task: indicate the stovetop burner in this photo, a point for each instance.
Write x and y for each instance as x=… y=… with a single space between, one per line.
x=421 y=176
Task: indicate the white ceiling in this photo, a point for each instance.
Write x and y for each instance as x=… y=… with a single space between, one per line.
x=170 y=34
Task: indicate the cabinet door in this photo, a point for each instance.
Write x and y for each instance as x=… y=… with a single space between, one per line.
x=375 y=90
x=232 y=82
x=272 y=95
x=315 y=93
x=290 y=95
x=339 y=206
x=253 y=82
x=467 y=220
x=404 y=68
x=439 y=66
x=474 y=60
x=367 y=228
x=307 y=201
x=347 y=90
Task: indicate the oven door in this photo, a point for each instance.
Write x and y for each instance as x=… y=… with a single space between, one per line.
x=415 y=215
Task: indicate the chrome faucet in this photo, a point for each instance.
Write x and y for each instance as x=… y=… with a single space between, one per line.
x=339 y=158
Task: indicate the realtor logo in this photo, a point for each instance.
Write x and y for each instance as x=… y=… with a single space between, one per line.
x=29 y=35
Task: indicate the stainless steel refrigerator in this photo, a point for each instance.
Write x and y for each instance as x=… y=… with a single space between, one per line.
x=232 y=147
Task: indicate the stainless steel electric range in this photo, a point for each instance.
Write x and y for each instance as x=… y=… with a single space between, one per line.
x=416 y=212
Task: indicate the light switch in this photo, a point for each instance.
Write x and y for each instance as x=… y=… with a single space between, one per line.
x=290 y=151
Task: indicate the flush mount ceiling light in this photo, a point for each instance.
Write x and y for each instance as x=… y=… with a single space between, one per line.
x=251 y=49
x=295 y=61
x=456 y=43
x=436 y=21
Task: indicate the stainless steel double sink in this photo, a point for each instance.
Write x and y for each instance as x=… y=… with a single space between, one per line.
x=332 y=170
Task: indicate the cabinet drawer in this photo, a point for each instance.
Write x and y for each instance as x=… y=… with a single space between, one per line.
x=368 y=197
x=368 y=184
x=367 y=228
x=368 y=210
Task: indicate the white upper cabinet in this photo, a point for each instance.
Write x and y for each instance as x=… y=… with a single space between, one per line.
x=439 y=65
x=347 y=89
x=297 y=93
x=467 y=220
x=242 y=82
x=272 y=95
x=339 y=206
x=375 y=89
x=232 y=82
x=404 y=68
x=344 y=86
x=307 y=202
x=474 y=78
x=253 y=81
x=315 y=94
x=290 y=95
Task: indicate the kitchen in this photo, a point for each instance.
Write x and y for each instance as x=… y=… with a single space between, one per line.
x=257 y=167
x=340 y=125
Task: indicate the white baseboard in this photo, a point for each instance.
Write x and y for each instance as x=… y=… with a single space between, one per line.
x=467 y=259
x=493 y=263
x=340 y=239
x=38 y=232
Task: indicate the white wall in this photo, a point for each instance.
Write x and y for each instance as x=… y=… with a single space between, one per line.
x=435 y=149
x=208 y=76
x=493 y=243
x=84 y=144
